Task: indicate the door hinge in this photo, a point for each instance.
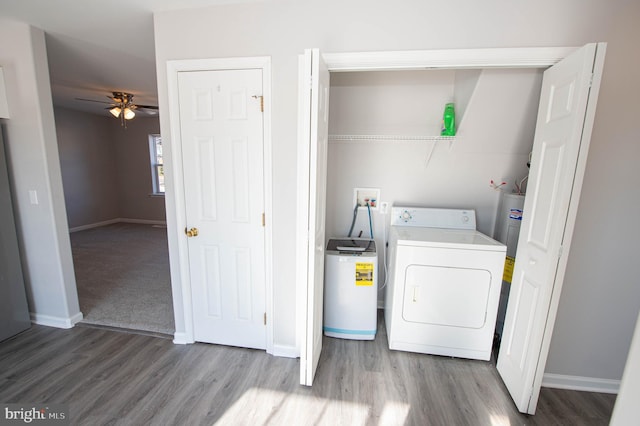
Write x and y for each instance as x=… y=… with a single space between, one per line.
x=591 y=80
x=261 y=101
x=265 y=318
x=559 y=252
x=263 y=220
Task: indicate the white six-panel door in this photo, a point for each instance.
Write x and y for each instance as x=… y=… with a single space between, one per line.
x=221 y=128
x=567 y=102
x=314 y=135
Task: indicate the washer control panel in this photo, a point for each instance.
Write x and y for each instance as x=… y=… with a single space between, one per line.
x=433 y=217
x=406 y=216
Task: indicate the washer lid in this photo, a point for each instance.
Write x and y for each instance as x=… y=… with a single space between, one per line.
x=445 y=238
x=352 y=245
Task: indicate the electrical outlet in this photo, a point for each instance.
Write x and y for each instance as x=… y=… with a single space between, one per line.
x=383 y=206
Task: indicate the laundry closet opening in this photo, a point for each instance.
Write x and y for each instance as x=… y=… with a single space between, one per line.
x=384 y=133
x=495 y=134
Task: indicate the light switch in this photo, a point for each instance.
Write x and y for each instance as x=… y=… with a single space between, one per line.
x=33 y=196
x=4 y=106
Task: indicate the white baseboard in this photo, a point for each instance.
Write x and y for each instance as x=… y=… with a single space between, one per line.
x=57 y=322
x=94 y=225
x=579 y=383
x=285 y=351
x=180 y=338
x=77 y=318
x=117 y=220
x=143 y=221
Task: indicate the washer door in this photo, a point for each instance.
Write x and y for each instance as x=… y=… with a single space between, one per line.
x=446 y=296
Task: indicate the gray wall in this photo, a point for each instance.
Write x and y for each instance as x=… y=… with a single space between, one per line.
x=88 y=162
x=105 y=168
x=625 y=411
x=134 y=173
x=601 y=294
x=34 y=165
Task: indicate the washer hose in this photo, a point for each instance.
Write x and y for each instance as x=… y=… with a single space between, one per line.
x=353 y=222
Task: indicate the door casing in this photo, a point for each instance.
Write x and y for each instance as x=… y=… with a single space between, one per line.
x=175 y=197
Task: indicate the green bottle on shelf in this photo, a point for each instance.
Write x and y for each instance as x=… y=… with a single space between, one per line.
x=449 y=121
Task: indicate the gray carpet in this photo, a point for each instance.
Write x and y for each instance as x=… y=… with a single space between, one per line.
x=122 y=274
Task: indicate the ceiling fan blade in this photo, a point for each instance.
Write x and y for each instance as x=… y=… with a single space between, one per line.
x=150 y=112
x=92 y=100
x=146 y=106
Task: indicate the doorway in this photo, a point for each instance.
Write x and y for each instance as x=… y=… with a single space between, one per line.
x=118 y=233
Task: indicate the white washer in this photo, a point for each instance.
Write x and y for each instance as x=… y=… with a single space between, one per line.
x=444 y=283
x=351 y=289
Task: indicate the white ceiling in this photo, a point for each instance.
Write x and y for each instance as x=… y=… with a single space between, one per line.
x=97 y=47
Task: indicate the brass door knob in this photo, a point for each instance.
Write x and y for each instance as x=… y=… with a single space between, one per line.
x=193 y=232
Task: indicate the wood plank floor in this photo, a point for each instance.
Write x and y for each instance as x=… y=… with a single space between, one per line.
x=116 y=378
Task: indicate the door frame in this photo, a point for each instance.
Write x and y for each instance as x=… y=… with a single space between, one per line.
x=543 y=57
x=525 y=57
x=175 y=197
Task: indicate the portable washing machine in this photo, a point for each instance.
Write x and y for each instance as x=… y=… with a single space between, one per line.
x=351 y=289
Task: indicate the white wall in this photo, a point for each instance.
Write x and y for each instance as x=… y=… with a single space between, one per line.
x=32 y=151
x=494 y=138
x=597 y=312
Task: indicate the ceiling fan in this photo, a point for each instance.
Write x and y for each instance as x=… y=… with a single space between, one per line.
x=122 y=107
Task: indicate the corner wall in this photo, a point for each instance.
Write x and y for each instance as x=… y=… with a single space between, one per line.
x=89 y=167
x=34 y=168
x=105 y=168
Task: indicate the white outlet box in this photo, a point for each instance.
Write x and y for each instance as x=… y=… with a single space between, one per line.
x=364 y=196
x=383 y=207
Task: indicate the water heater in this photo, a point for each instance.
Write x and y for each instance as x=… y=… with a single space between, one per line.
x=509 y=220
x=507 y=232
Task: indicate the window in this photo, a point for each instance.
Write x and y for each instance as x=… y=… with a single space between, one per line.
x=157 y=169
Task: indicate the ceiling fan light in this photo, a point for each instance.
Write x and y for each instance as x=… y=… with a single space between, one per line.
x=115 y=111
x=129 y=114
